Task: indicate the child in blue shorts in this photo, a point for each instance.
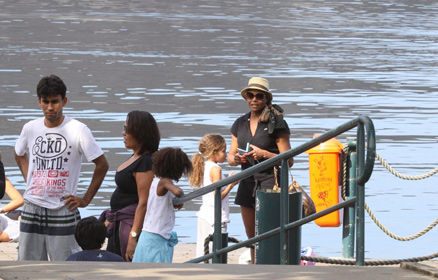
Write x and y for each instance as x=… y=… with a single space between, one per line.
x=157 y=238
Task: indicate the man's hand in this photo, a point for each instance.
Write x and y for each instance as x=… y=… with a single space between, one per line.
x=73 y=202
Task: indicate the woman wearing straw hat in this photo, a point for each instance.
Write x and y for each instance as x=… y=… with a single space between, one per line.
x=257 y=136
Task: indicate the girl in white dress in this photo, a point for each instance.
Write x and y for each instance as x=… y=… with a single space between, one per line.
x=212 y=150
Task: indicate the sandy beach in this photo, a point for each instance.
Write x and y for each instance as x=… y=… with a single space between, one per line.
x=183 y=252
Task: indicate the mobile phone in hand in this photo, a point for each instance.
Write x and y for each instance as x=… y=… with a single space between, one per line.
x=241 y=151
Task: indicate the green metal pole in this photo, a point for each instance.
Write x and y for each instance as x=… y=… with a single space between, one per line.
x=349 y=212
x=295 y=214
x=360 y=204
x=284 y=212
x=217 y=236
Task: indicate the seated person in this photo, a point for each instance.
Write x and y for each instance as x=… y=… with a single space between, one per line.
x=90 y=234
x=10 y=219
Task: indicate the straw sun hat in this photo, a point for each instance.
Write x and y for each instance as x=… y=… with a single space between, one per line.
x=260 y=84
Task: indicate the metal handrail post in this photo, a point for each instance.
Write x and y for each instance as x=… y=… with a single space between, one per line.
x=370 y=157
x=217 y=235
x=349 y=212
x=275 y=231
x=365 y=165
x=284 y=212
x=360 y=203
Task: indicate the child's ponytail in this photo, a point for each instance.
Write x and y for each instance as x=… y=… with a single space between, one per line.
x=197 y=176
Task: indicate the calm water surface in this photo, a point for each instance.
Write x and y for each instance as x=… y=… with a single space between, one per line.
x=186 y=62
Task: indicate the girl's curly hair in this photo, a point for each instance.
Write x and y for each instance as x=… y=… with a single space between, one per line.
x=171 y=163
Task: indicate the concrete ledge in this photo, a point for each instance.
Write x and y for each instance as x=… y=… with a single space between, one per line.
x=103 y=271
x=429 y=268
x=12 y=269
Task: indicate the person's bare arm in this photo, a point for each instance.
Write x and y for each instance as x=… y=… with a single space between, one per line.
x=23 y=164
x=216 y=175
x=283 y=144
x=234 y=158
x=14 y=195
x=100 y=170
x=144 y=181
x=166 y=185
x=170 y=186
x=4 y=237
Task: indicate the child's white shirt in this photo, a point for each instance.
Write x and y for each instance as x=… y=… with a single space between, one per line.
x=160 y=214
x=206 y=211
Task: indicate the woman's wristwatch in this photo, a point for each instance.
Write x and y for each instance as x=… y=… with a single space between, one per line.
x=2 y=211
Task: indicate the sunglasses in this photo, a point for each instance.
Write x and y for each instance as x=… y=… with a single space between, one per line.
x=258 y=96
x=125 y=128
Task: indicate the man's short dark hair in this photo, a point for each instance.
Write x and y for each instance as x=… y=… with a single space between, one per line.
x=90 y=233
x=51 y=86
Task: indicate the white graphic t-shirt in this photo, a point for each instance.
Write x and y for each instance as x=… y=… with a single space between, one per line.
x=55 y=157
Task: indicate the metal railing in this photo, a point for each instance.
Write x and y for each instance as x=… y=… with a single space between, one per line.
x=364 y=167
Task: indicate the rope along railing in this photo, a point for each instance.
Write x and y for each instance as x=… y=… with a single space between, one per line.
x=399 y=175
x=384 y=229
x=369 y=263
x=405 y=177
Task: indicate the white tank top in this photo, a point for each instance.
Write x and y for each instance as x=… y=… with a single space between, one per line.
x=206 y=211
x=160 y=214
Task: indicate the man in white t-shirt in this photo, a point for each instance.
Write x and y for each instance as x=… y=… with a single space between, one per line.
x=54 y=144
